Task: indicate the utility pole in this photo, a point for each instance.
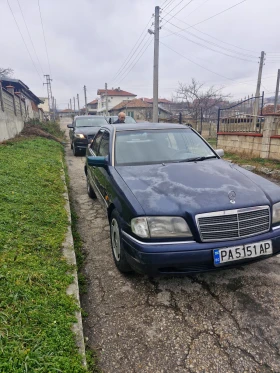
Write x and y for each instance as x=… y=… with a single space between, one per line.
x=156 y=62
x=70 y=104
x=53 y=111
x=277 y=91
x=74 y=105
x=49 y=90
x=106 y=92
x=85 y=90
x=258 y=90
x=78 y=102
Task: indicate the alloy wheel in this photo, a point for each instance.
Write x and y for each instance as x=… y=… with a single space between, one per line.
x=115 y=238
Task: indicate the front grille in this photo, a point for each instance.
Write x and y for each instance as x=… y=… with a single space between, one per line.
x=233 y=224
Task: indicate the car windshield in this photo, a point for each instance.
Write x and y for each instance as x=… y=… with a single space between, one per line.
x=90 y=121
x=160 y=146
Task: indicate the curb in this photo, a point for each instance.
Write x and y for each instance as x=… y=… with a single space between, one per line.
x=73 y=289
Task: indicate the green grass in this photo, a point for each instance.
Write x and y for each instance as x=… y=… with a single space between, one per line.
x=52 y=128
x=212 y=142
x=36 y=315
x=243 y=159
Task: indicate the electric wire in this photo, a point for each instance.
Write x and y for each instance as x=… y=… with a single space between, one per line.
x=24 y=41
x=167 y=5
x=206 y=46
x=195 y=63
x=133 y=50
x=175 y=13
x=221 y=41
x=47 y=53
x=133 y=63
x=30 y=36
x=214 y=50
x=137 y=61
x=207 y=19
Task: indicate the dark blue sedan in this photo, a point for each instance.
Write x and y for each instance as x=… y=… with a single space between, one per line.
x=174 y=205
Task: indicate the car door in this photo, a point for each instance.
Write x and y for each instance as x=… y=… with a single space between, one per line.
x=93 y=151
x=101 y=176
x=71 y=131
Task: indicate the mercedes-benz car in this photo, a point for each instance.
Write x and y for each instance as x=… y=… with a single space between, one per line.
x=82 y=131
x=174 y=206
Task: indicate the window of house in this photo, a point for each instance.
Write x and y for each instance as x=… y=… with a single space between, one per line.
x=130 y=114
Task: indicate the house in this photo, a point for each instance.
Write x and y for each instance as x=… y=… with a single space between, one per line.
x=162 y=102
x=16 y=86
x=115 y=97
x=92 y=107
x=269 y=109
x=45 y=106
x=139 y=110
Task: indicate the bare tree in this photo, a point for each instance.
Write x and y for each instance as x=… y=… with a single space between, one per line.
x=196 y=99
x=6 y=72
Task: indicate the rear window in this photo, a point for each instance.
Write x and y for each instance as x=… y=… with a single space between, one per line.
x=90 y=121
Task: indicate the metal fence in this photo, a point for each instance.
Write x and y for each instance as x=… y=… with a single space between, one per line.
x=240 y=116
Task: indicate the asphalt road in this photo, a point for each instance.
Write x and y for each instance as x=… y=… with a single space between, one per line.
x=227 y=321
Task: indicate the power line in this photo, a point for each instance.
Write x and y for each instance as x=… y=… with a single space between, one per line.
x=215 y=15
x=203 y=67
x=221 y=41
x=30 y=37
x=124 y=66
x=197 y=8
x=134 y=48
x=205 y=46
x=23 y=40
x=167 y=5
x=44 y=37
x=138 y=56
x=136 y=61
x=176 y=13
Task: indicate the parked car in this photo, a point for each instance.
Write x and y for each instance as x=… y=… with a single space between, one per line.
x=82 y=131
x=174 y=205
x=113 y=118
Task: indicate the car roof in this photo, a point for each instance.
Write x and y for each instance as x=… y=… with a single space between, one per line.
x=144 y=126
x=89 y=116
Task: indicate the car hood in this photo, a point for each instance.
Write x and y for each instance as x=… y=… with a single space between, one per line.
x=192 y=188
x=87 y=130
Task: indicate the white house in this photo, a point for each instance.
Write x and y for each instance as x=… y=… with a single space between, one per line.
x=115 y=97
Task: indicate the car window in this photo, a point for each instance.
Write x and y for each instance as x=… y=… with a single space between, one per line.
x=104 y=145
x=96 y=142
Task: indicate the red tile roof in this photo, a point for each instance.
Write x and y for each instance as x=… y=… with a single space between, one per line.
x=115 y=92
x=160 y=100
x=93 y=102
x=136 y=103
x=269 y=109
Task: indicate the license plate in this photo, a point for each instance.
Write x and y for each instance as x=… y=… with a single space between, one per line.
x=231 y=254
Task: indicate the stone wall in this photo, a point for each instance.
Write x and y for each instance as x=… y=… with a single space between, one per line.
x=263 y=145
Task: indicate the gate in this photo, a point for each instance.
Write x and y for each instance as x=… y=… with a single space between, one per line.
x=240 y=117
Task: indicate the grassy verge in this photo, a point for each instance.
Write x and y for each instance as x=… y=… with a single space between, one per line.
x=243 y=159
x=36 y=315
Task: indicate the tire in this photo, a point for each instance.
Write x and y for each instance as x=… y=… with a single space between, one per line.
x=71 y=145
x=116 y=244
x=90 y=191
x=75 y=151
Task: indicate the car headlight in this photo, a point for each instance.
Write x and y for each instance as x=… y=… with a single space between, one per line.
x=160 y=226
x=80 y=136
x=276 y=214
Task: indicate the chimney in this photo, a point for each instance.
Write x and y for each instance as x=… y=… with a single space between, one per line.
x=10 y=89
x=119 y=89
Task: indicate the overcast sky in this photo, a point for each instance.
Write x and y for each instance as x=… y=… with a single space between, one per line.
x=88 y=41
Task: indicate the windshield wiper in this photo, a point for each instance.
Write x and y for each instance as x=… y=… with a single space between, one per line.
x=197 y=159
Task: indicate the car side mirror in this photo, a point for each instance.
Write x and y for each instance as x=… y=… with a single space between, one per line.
x=110 y=120
x=220 y=152
x=97 y=161
x=70 y=125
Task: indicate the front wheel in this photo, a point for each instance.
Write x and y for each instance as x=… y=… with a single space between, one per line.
x=116 y=244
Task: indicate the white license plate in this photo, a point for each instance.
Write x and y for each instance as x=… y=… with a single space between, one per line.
x=253 y=250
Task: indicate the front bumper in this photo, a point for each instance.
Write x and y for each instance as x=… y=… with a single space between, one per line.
x=81 y=144
x=192 y=257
